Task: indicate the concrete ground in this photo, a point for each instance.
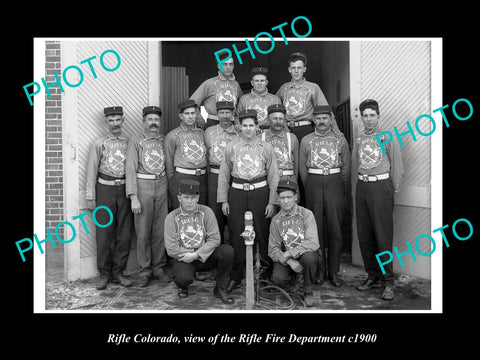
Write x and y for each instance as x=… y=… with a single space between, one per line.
x=411 y=293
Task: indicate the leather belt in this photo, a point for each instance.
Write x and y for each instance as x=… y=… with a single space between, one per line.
x=248 y=186
x=285 y=172
x=196 y=172
x=373 y=178
x=116 y=182
x=323 y=171
x=150 y=176
x=293 y=123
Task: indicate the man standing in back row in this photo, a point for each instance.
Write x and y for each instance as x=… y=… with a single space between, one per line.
x=299 y=96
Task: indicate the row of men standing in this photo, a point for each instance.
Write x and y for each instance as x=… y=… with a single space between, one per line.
x=243 y=174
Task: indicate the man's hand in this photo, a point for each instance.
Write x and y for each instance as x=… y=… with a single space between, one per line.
x=295 y=265
x=269 y=210
x=284 y=257
x=135 y=204
x=225 y=209
x=91 y=204
x=188 y=257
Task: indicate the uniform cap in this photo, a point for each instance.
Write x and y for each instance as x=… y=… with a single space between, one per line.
x=188 y=187
x=114 y=110
x=298 y=56
x=276 y=108
x=187 y=104
x=287 y=185
x=259 y=71
x=369 y=103
x=225 y=105
x=152 y=110
x=247 y=113
x=322 y=109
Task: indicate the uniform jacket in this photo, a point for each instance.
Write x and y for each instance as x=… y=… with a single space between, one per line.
x=216 y=140
x=197 y=232
x=286 y=160
x=260 y=103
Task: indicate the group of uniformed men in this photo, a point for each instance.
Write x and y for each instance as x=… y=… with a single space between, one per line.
x=281 y=156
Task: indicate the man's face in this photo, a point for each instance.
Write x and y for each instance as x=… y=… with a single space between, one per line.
x=225 y=117
x=188 y=116
x=370 y=118
x=188 y=202
x=249 y=129
x=277 y=121
x=297 y=69
x=151 y=122
x=323 y=122
x=227 y=67
x=287 y=199
x=114 y=124
x=259 y=83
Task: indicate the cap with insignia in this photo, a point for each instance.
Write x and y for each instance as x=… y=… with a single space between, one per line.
x=298 y=56
x=284 y=185
x=186 y=104
x=152 y=110
x=114 y=110
x=369 y=103
x=322 y=109
x=247 y=113
x=276 y=108
x=225 y=105
x=259 y=71
x=188 y=187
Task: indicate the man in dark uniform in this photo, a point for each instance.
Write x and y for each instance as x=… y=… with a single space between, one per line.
x=379 y=177
x=259 y=98
x=293 y=241
x=299 y=96
x=222 y=87
x=216 y=139
x=324 y=165
x=285 y=144
x=247 y=182
x=186 y=154
x=106 y=186
x=147 y=190
x=192 y=239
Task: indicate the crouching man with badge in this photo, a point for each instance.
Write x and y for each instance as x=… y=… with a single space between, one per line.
x=293 y=242
x=192 y=239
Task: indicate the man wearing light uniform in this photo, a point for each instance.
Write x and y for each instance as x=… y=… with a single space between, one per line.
x=193 y=241
x=259 y=98
x=106 y=186
x=250 y=166
x=293 y=241
x=284 y=143
x=186 y=154
x=324 y=166
x=216 y=139
x=299 y=96
x=147 y=190
x=222 y=87
x=379 y=176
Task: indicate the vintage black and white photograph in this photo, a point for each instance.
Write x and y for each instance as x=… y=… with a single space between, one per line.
x=187 y=175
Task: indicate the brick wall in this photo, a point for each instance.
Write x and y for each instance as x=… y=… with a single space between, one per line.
x=53 y=155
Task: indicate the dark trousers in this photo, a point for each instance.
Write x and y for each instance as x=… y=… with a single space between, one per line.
x=374 y=209
x=326 y=198
x=113 y=241
x=254 y=201
x=221 y=259
x=283 y=274
x=173 y=187
x=149 y=225
x=216 y=206
x=300 y=132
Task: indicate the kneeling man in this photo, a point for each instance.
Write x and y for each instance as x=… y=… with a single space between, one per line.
x=192 y=239
x=293 y=241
